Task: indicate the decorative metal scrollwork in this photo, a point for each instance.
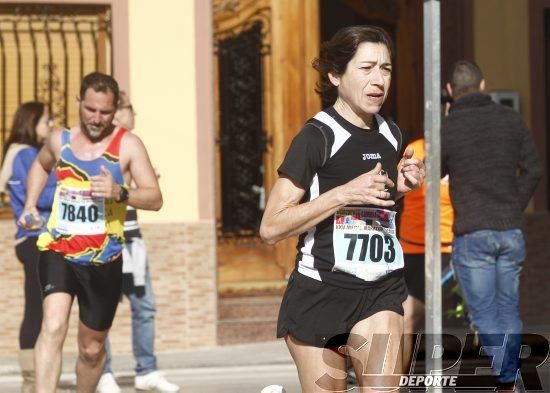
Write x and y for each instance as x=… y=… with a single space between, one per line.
x=261 y=16
x=50 y=90
x=241 y=139
x=49 y=48
x=225 y=5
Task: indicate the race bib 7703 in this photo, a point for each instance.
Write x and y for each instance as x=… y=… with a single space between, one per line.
x=365 y=242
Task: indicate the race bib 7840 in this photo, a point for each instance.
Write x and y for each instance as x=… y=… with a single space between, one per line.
x=79 y=213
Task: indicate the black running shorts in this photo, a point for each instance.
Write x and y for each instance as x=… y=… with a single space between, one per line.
x=97 y=287
x=415 y=275
x=315 y=312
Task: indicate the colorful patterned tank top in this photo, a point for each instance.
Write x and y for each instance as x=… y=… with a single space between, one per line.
x=86 y=230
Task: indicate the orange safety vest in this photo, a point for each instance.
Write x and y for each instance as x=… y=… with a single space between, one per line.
x=411 y=226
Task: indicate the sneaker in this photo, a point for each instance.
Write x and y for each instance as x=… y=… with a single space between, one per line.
x=154 y=381
x=273 y=389
x=107 y=384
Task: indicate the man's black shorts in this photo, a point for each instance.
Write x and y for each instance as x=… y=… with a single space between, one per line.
x=315 y=312
x=415 y=275
x=97 y=287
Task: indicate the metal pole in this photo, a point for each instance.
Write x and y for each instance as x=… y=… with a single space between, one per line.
x=432 y=123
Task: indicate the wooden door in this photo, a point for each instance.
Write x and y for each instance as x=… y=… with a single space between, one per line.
x=264 y=91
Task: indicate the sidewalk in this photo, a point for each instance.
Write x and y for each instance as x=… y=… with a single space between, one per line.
x=273 y=353
x=245 y=368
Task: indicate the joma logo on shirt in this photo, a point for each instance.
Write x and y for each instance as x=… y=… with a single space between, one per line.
x=371 y=156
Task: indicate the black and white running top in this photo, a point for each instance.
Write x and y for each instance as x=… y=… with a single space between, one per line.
x=358 y=245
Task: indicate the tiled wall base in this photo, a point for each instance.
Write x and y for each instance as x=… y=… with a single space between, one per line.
x=183 y=268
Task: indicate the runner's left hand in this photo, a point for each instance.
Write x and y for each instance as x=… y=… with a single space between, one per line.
x=410 y=172
x=103 y=185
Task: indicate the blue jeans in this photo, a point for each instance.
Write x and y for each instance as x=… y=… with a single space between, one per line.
x=488 y=264
x=142 y=303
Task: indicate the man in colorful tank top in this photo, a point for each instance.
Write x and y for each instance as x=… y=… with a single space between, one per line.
x=81 y=251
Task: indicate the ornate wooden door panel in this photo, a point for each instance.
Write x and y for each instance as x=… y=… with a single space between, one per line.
x=264 y=91
x=242 y=79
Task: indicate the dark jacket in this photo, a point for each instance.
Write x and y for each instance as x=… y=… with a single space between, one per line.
x=492 y=163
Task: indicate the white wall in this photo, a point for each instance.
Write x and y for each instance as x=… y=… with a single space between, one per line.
x=162 y=86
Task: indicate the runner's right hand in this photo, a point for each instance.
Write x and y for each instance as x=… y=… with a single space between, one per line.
x=30 y=219
x=370 y=188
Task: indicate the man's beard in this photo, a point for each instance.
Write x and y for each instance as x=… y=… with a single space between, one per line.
x=95 y=130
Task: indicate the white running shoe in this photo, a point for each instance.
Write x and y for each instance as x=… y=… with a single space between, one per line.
x=154 y=381
x=273 y=389
x=107 y=384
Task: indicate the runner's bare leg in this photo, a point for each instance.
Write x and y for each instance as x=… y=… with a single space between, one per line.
x=377 y=355
x=413 y=321
x=49 y=346
x=91 y=358
x=313 y=363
